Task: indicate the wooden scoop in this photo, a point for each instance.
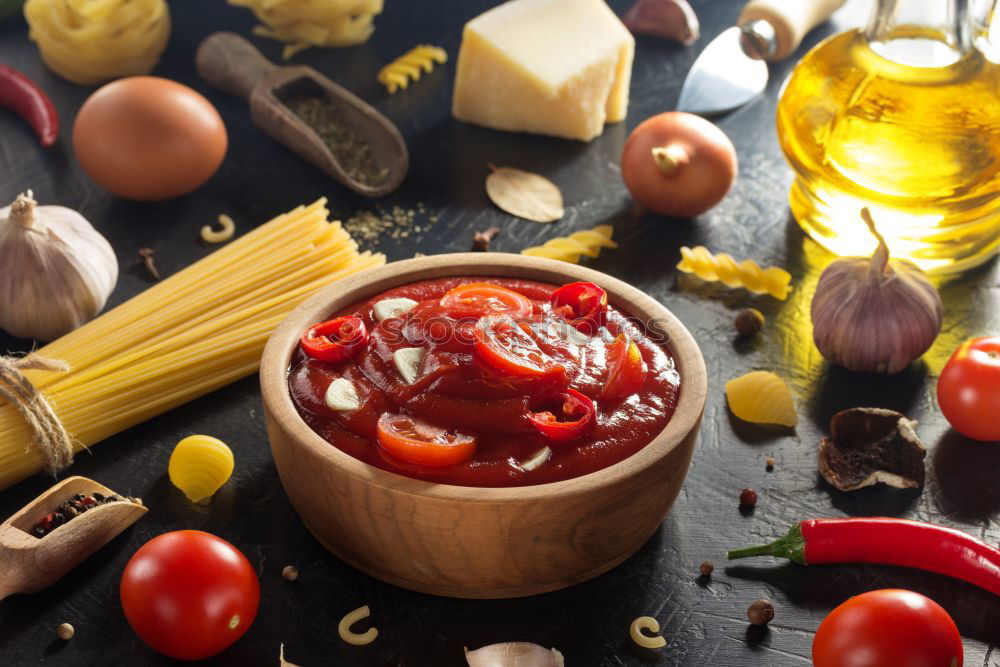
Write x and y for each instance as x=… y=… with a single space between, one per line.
x=235 y=65
x=28 y=563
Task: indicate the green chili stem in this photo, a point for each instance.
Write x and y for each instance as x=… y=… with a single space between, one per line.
x=791 y=546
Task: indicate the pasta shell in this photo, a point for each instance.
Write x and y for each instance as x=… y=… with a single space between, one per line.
x=761 y=397
x=199 y=466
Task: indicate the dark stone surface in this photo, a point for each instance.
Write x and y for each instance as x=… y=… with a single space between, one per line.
x=704 y=621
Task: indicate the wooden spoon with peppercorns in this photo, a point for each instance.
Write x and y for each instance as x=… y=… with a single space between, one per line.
x=37 y=547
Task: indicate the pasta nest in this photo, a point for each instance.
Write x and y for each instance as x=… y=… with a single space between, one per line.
x=92 y=41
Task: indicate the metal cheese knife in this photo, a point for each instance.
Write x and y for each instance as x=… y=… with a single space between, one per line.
x=732 y=69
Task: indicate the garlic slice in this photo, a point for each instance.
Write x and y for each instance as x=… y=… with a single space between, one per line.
x=388 y=308
x=536 y=459
x=514 y=654
x=408 y=361
x=342 y=396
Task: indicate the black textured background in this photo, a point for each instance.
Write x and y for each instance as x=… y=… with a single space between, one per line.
x=704 y=624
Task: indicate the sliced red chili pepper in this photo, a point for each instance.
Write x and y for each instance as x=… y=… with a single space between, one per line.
x=503 y=346
x=626 y=369
x=22 y=96
x=563 y=416
x=335 y=340
x=583 y=305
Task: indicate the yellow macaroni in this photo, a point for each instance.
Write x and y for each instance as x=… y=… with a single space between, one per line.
x=209 y=235
x=643 y=640
x=344 y=628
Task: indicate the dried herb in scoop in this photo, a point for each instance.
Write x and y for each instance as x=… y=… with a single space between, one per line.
x=351 y=151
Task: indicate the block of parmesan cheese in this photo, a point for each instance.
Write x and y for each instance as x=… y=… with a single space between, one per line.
x=559 y=67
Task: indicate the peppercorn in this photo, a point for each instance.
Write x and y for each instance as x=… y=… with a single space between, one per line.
x=290 y=573
x=65 y=632
x=748 y=498
x=707 y=568
x=769 y=464
x=760 y=612
x=749 y=321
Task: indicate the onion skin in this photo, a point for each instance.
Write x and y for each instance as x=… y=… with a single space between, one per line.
x=514 y=654
x=678 y=165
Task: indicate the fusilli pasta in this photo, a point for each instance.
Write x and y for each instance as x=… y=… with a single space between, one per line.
x=570 y=248
x=723 y=268
x=398 y=73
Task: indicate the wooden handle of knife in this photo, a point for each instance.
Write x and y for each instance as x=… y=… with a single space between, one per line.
x=791 y=20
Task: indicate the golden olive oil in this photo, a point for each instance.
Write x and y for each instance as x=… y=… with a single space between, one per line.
x=918 y=145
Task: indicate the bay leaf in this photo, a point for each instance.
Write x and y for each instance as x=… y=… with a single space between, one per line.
x=525 y=194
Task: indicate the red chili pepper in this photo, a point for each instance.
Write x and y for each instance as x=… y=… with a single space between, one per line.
x=887 y=541
x=577 y=412
x=22 y=96
x=582 y=304
x=335 y=340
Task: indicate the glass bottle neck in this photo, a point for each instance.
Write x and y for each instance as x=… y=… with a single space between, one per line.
x=920 y=33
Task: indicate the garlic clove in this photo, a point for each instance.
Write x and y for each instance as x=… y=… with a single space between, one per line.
x=342 y=396
x=58 y=270
x=673 y=19
x=408 y=361
x=872 y=314
x=389 y=308
x=514 y=654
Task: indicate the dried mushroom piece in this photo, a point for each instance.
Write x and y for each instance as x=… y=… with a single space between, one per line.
x=870 y=445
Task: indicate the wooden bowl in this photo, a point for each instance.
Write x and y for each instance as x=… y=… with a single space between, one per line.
x=479 y=542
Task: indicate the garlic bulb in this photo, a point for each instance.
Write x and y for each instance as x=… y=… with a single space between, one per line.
x=872 y=314
x=57 y=270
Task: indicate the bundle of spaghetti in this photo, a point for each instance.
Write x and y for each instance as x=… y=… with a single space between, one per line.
x=188 y=335
x=90 y=41
x=306 y=23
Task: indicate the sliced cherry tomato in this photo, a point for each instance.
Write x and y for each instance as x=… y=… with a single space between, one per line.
x=189 y=594
x=969 y=389
x=626 y=369
x=474 y=300
x=416 y=441
x=583 y=305
x=887 y=628
x=563 y=416
x=335 y=340
x=503 y=346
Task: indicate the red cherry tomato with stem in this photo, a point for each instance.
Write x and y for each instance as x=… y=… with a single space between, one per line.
x=626 y=369
x=189 y=594
x=888 y=628
x=563 y=416
x=584 y=305
x=417 y=441
x=335 y=340
x=475 y=300
x=969 y=389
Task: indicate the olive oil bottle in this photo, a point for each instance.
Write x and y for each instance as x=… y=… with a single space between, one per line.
x=903 y=117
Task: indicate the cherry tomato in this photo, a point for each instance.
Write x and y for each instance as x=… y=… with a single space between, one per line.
x=626 y=369
x=563 y=416
x=335 y=340
x=583 y=305
x=474 y=300
x=189 y=594
x=969 y=389
x=888 y=628
x=416 y=441
x=506 y=348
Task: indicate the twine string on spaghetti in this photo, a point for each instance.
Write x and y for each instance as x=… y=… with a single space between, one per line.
x=48 y=434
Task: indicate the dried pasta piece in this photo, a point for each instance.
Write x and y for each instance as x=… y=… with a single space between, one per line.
x=570 y=248
x=306 y=23
x=228 y=228
x=642 y=639
x=761 y=397
x=723 y=268
x=344 y=628
x=400 y=71
x=199 y=466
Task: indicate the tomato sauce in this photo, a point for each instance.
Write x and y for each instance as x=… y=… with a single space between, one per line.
x=456 y=390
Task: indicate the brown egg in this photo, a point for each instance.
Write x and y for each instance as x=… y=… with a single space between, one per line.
x=148 y=138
